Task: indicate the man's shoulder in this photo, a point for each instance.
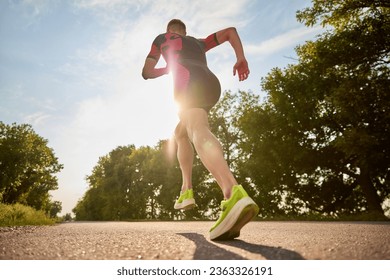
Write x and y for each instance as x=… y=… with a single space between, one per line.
x=168 y=36
x=161 y=38
x=162 y=35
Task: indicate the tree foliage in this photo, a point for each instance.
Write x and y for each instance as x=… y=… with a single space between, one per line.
x=27 y=168
x=136 y=183
x=323 y=138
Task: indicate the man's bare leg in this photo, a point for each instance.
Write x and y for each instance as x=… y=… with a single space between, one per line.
x=185 y=156
x=208 y=148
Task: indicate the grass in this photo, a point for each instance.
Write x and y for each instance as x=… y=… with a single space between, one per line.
x=21 y=215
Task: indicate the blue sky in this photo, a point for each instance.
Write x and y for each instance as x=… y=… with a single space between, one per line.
x=72 y=69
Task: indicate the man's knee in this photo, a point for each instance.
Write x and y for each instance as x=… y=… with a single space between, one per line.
x=180 y=131
x=193 y=121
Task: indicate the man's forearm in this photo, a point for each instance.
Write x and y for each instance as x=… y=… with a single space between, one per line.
x=154 y=73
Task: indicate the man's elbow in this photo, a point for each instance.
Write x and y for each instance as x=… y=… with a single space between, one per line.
x=232 y=31
x=226 y=34
x=145 y=75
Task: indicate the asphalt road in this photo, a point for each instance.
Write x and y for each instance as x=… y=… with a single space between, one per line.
x=190 y=240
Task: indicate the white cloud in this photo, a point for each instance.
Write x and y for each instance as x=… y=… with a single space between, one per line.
x=37 y=119
x=200 y=16
x=111 y=5
x=112 y=11
x=34 y=10
x=289 y=39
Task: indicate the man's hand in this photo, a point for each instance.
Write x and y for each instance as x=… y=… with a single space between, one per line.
x=150 y=72
x=241 y=67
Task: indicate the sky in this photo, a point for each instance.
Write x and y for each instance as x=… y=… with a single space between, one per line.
x=72 y=69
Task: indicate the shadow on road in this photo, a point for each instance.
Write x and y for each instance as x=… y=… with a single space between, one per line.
x=206 y=250
x=268 y=252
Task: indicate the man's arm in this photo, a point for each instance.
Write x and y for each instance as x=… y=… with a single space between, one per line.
x=150 y=72
x=241 y=67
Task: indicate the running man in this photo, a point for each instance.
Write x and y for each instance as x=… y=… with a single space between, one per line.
x=197 y=90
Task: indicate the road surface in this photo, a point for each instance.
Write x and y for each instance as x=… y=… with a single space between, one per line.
x=190 y=240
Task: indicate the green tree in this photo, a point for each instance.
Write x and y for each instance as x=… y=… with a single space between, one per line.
x=53 y=208
x=89 y=207
x=224 y=122
x=27 y=167
x=67 y=217
x=321 y=141
x=130 y=183
x=140 y=183
x=109 y=187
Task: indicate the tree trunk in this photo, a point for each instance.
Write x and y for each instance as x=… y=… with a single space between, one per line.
x=373 y=200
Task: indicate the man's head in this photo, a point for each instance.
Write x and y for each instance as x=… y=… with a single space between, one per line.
x=177 y=26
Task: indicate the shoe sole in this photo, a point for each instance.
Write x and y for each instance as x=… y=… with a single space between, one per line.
x=185 y=205
x=241 y=214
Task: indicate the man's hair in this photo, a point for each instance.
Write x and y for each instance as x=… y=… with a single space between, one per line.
x=176 y=24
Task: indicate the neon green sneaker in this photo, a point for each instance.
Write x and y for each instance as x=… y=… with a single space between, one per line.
x=185 y=201
x=236 y=212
